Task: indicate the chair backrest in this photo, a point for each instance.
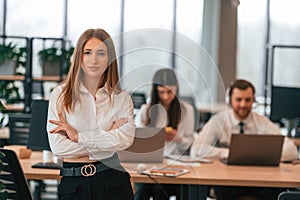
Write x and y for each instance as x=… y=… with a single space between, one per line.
x=18 y=128
x=13 y=178
x=38 y=88
x=191 y=101
x=38 y=136
x=138 y=99
x=289 y=195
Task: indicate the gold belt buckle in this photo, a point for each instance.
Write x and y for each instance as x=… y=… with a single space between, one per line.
x=88 y=170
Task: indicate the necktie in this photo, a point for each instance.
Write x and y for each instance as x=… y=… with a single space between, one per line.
x=241 y=124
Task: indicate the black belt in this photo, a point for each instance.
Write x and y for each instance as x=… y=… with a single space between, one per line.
x=90 y=169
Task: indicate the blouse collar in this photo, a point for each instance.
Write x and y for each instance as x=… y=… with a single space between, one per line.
x=103 y=89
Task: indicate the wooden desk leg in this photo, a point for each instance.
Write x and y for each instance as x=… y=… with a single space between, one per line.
x=194 y=192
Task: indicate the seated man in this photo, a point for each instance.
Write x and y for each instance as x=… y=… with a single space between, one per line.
x=214 y=139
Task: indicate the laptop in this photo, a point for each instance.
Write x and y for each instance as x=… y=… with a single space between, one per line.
x=254 y=149
x=148 y=146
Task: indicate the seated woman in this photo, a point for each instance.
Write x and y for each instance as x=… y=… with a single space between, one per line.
x=166 y=110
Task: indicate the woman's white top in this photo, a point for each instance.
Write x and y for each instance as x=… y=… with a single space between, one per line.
x=185 y=127
x=93 y=119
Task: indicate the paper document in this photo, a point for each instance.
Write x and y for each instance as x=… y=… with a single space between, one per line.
x=165 y=171
x=188 y=159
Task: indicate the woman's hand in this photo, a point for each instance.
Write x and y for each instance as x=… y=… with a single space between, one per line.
x=171 y=135
x=64 y=127
x=119 y=123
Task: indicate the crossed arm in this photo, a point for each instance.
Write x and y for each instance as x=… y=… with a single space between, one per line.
x=64 y=128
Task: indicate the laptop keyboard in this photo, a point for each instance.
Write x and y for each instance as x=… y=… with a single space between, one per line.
x=47 y=165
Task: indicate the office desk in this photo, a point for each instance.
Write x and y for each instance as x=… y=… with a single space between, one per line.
x=37 y=173
x=216 y=173
x=296 y=141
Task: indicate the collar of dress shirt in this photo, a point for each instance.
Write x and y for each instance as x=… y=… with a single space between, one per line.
x=236 y=122
x=102 y=90
x=82 y=88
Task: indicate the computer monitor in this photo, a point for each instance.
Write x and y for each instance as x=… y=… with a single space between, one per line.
x=38 y=136
x=285 y=103
x=138 y=99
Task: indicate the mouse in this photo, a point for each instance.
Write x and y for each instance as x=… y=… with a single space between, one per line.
x=141 y=167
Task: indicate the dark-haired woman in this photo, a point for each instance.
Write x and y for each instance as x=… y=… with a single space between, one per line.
x=166 y=110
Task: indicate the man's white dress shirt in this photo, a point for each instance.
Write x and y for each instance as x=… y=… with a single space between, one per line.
x=214 y=138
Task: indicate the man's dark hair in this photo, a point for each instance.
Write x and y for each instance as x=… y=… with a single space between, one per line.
x=240 y=84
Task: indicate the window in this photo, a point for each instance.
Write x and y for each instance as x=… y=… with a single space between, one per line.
x=251 y=42
x=34 y=18
x=93 y=14
x=143 y=31
x=285 y=30
x=147 y=42
x=1 y=19
x=196 y=70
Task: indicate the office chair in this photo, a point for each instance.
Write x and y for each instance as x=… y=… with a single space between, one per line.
x=38 y=141
x=13 y=178
x=38 y=136
x=18 y=128
x=289 y=195
x=138 y=99
x=37 y=89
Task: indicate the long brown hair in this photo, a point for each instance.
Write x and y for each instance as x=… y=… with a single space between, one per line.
x=70 y=92
x=164 y=77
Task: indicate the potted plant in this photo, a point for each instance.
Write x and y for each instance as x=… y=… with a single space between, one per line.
x=8 y=59
x=68 y=55
x=9 y=92
x=51 y=60
x=4 y=118
x=11 y=57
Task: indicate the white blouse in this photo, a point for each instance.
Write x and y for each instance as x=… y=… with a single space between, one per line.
x=92 y=119
x=185 y=129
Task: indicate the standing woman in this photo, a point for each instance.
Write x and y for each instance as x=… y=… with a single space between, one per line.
x=89 y=119
x=166 y=110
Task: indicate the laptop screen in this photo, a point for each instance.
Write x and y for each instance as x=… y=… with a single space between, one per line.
x=254 y=149
x=148 y=146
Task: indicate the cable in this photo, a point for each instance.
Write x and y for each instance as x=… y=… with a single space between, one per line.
x=142 y=167
x=159 y=185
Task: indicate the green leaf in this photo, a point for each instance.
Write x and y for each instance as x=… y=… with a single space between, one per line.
x=2 y=106
x=2 y=186
x=3 y=195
